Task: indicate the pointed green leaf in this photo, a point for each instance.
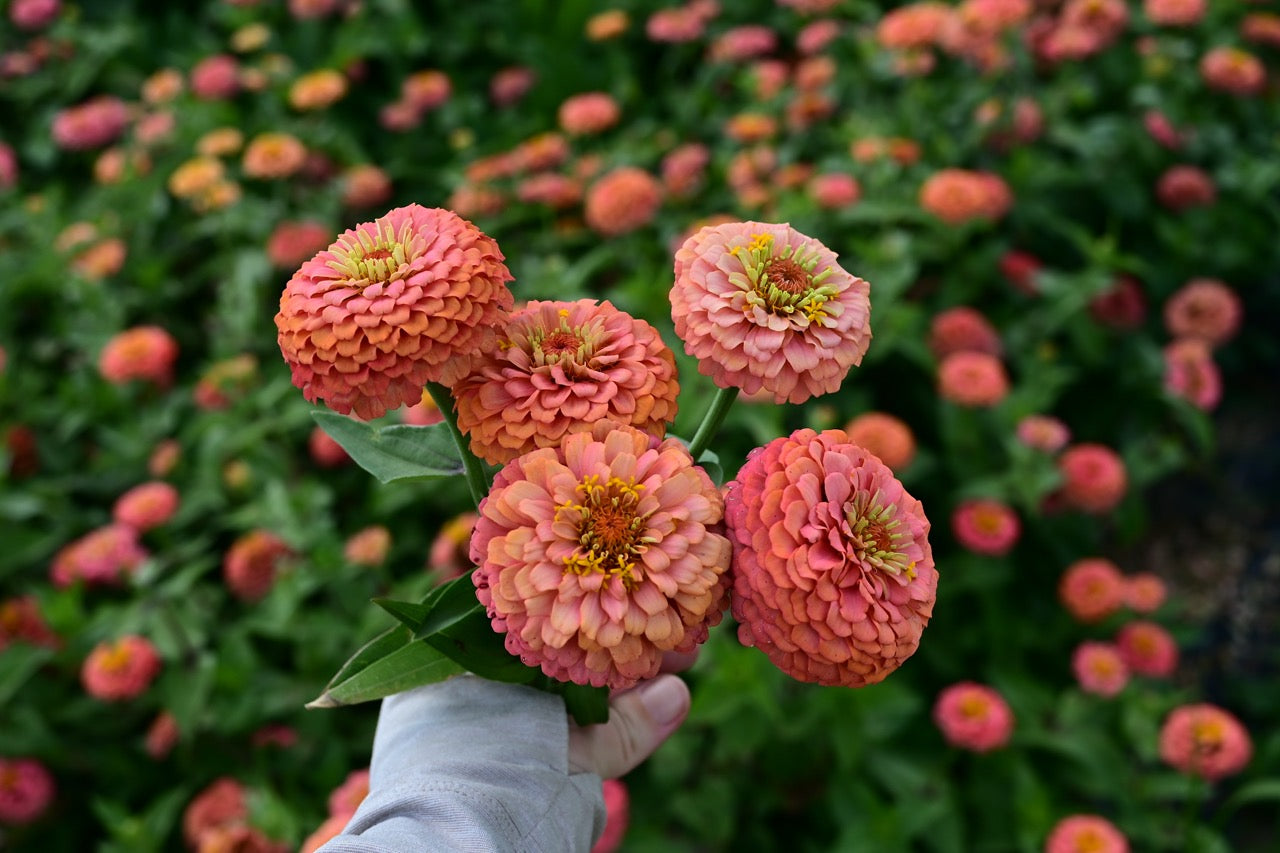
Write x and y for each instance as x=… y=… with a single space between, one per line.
x=1257 y=791
x=394 y=453
x=18 y=663
x=406 y=613
x=472 y=643
x=587 y=705
x=410 y=666
x=379 y=647
x=452 y=602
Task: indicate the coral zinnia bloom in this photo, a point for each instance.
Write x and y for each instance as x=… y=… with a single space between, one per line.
x=1204 y=308
x=222 y=803
x=763 y=306
x=884 y=435
x=972 y=379
x=249 y=566
x=121 y=669
x=834 y=577
x=617 y=809
x=1099 y=668
x=1204 y=740
x=973 y=716
x=146 y=506
x=392 y=305
x=986 y=527
x=1086 y=832
x=1144 y=592
x=26 y=789
x=1148 y=649
x=596 y=557
x=143 y=352
x=560 y=367
x=1094 y=477
x=101 y=556
x=1092 y=589
x=621 y=201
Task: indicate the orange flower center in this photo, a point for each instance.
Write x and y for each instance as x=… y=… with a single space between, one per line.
x=1208 y=735
x=610 y=528
x=1090 y=841
x=115 y=659
x=788 y=276
x=8 y=778
x=988 y=521
x=874 y=535
x=973 y=707
x=784 y=283
x=559 y=343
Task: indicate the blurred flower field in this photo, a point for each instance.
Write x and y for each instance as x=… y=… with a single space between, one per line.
x=1066 y=213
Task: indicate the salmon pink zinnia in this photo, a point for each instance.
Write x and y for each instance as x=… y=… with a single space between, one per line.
x=1086 y=832
x=120 y=670
x=1148 y=649
x=560 y=367
x=1092 y=589
x=834 y=577
x=1204 y=740
x=987 y=527
x=1100 y=669
x=763 y=306
x=973 y=716
x=392 y=305
x=597 y=556
x=26 y=789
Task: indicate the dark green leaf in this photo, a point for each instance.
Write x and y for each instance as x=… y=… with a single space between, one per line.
x=394 y=453
x=587 y=705
x=17 y=664
x=450 y=603
x=406 y=613
x=711 y=463
x=379 y=647
x=1257 y=791
x=410 y=666
x=472 y=643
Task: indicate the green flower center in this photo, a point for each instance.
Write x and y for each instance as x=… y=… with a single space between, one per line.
x=786 y=283
x=372 y=257
x=878 y=537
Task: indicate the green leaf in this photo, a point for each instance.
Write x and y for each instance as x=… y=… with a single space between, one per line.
x=450 y=603
x=588 y=705
x=17 y=664
x=379 y=647
x=394 y=453
x=406 y=613
x=710 y=462
x=472 y=643
x=409 y=666
x=1257 y=791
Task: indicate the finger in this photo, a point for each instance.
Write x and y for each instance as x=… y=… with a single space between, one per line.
x=639 y=721
x=677 y=662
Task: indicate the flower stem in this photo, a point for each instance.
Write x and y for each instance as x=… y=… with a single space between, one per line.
x=477 y=481
x=711 y=420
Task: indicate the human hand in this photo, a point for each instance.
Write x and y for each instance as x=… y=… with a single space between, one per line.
x=640 y=719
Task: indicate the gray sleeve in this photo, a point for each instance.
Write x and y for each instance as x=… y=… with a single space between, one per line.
x=469 y=764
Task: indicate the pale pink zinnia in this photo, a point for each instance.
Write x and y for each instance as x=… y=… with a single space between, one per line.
x=26 y=790
x=1205 y=740
x=622 y=201
x=973 y=716
x=987 y=527
x=146 y=506
x=1094 y=477
x=120 y=670
x=1099 y=669
x=888 y=437
x=101 y=556
x=1092 y=589
x=598 y=556
x=1148 y=649
x=762 y=306
x=393 y=304
x=972 y=379
x=1085 y=833
x=559 y=368
x=1043 y=432
x=833 y=572
x=368 y=547
x=588 y=113
x=1204 y=308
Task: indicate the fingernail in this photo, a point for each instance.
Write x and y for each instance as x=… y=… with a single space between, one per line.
x=666 y=699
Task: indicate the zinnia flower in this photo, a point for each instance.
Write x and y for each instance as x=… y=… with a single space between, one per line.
x=1204 y=740
x=596 y=557
x=143 y=352
x=250 y=564
x=120 y=670
x=1044 y=433
x=763 y=306
x=622 y=201
x=365 y=185
x=833 y=573
x=101 y=556
x=161 y=736
x=21 y=620
x=216 y=77
x=1174 y=13
x=973 y=716
x=1021 y=269
x=884 y=435
x=1148 y=649
x=834 y=190
x=273 y=155
x=1092 y=589
x=394 y=304
x=1100 y=669
x=450 y=551
x=222 y=803
x=33 y=15
x=291 y=243
x=347 y=797
x=26 y=789
x=1144 y=592
x=560 y=367
x=368 y=547
x=93 y=124
x=617 y=815
x=1121 y=306
x=317 y=90
x=972 y=379
x=324 y=451
x=1094 y=476
x=959 y=195
x=1204 y=308
x=1190 y=373
x=589 y=113
x=1230 y=69
x=1085 y=832
x=146 y=506
x=962 y=329
x=986 y=527
x=1182 y=187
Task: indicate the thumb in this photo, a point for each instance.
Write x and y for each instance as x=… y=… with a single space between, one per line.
x=639 y=721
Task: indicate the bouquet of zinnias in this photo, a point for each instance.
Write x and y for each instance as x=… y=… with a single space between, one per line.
x=602 y=543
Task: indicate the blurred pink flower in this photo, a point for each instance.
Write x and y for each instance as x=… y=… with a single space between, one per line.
x=221 y=803
x=1183 y=187
x=365 y=185
x=250 y=564
x=1162 y=130
x=552 y=189
x=833 y=573
x=1044 y=433
x=291 y=243
x=22 y=621
x=274 y=155
x=684 y=168
x=1020 y=269
x=347 y=797
x=510 y=85
x=92 y=124
x=675 y=25
x=101 y=556
x=617 y=816
x=962 y=329
x=834 y=190
x=815 y=36
x=216 y=77
x=588 y=113
x=559 y=368
x=161 y=736
x=393 y=304
x=1204 y=308
x=164 y=458
x=8 y=166
x=1261 y=28
x=26 y=790
x=986 y=527
x=1205 y=740
x=1099 y=668
x=1174 y=13
x=450 y=554
x=884 y=435
x=1092 y=589
x=308 y=9
x=598 y=556
x=426 y=90
x=324 y=451
x=1232 y=70
x=915 y=25
x=622 y=200
x=1094 y=477
x=959 y=195
x=1144 y=592
x=1084 y=832
x=973 y=716
x=34 y=15
x=747 y=41
x=368 y=546
x=763 y=306
x=1190 y=373
x=1148 y=649
x=1122 y=306
x=972 y=379
x=120 y=670
x=146 y=506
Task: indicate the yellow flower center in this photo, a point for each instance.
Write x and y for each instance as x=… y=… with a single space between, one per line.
x=973 y=707
x=875 y=535
x=370 y=257
x=1208 y=735
x=1090 y=841
x=610 y=528
x=115 y=659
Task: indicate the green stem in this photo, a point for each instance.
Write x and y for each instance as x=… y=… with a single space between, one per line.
x=1192 y=810
x=711 y=420
x=477 y=480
